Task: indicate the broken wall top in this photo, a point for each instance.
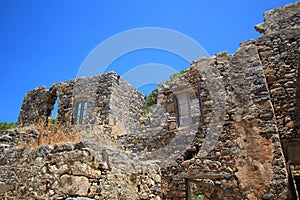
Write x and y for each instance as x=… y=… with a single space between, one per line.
x=284 y=17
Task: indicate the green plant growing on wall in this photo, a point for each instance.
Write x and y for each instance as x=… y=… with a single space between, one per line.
x=195 y=192
x=52 y=121
x=176 y=76
x=149 y=102
x=5 y=126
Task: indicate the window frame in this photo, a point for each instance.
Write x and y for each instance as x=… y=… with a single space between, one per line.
x=81 y=111
x=190 y=95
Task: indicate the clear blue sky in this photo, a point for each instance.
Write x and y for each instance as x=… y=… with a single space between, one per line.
x=43 y=42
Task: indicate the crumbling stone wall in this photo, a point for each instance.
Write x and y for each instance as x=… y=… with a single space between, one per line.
x=96 y=92
x=248 y=105
x=238 y=136
x=125 y=109
x=279 y=54
x=260 y=82
x=245 y=142
x=106 y=95
x=76 y=171
x=279 y=19
x=37 y=105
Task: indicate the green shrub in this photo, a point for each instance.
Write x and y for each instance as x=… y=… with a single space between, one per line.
x=52 y=121
x=150 y=101
x=5 y=126
x=176 y=76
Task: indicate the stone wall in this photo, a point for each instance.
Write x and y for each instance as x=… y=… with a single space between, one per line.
x=37 y=105
x=280 y=18
x=279 y=53
x=240 y=144
x=96 y=91
x=114 y=106
x=125 y=109
x=260 y=81
x=223 y=152
x=76 y=171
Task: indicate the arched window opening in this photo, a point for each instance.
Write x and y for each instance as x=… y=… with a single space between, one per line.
x=55 y=109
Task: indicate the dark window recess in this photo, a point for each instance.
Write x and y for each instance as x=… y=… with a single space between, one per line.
x=297 y=180
x=188 y=108
x=81 y=112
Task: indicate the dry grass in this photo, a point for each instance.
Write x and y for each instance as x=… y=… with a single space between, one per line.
x=52 y=134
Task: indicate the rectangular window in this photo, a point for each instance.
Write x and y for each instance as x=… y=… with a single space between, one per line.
x=81 y=112
x=187 y=108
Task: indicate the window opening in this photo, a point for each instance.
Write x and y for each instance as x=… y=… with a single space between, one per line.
x=55 y=110
x=188 y=108
x=81 y=112
x=184 y=109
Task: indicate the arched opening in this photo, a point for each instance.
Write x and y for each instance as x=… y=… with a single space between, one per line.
x=54 y=112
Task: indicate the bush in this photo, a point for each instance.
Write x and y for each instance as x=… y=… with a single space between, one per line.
x=176 y=76
x=150 y=101
x=5 y=126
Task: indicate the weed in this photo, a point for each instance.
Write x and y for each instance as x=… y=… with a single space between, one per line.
x=52 y=134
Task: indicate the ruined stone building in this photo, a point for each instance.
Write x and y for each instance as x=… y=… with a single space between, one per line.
x=102 y=104
x=228 y=128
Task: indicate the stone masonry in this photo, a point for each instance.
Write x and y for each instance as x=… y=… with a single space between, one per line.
x=114 y=106
x=77 y=170
x=227 y=128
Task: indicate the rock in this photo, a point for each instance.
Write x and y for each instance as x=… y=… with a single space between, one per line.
x=74 y=185
x=186 y=163
x=5 y=138
x=78 y=198
x=172 y=126
x=144 y=196
x=260 y=28
x=84 y=169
